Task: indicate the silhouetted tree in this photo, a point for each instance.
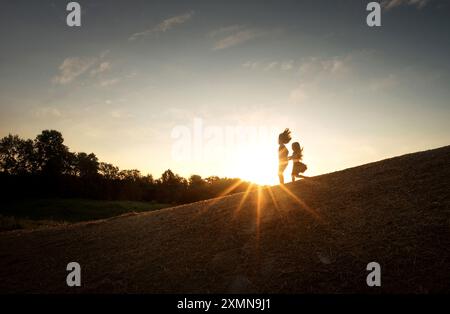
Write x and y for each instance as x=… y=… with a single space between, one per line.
x=52 y=153
x=148 y=179
x=71 y=164
x=46 y=168
x=196 y=181
x=212 y=179
x=169 y=178
x=130 y=175
x=197 y=188
x=17 y=156
x=172 y=186
x=109 y=171
x=87 y=165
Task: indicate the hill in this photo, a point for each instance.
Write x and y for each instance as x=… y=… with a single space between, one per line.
x=311 y=236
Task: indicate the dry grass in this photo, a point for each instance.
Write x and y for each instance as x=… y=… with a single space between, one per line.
x=314 y=236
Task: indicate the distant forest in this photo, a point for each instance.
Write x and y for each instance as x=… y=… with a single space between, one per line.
x=45 y=168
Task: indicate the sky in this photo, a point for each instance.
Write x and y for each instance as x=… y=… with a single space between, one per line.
x=204 y=87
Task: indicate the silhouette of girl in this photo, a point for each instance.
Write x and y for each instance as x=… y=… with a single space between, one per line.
x=297 y=167
x=283 y=139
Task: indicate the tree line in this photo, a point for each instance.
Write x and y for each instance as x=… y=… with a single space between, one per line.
x=45 y=167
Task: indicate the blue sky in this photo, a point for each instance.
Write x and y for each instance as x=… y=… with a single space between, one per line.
x=136 y=70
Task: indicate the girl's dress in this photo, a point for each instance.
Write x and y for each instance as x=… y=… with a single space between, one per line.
x=297 y=167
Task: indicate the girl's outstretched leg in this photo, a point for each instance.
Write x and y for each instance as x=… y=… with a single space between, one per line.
x=281 y=177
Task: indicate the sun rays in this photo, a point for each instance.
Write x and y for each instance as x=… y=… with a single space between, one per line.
x=262 y=203
x=259 y=201
x=302 y=204
x=244 y=198
x=276 y=199
x=273 y=198
x=225 y=192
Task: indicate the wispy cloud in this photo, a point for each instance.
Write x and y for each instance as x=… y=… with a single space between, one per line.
x=120 y=113
x=109 y=82
x=287 y=65
x=102 y=67
x=234 y=35
x=71 y=68
x=271 y=66
x=283 y=66
x=45 y=112
x=253 y=65
x=314 y=71
x=321 y=66
x=165 y=25
x=310 y=67
x=390 y=4
x=225 y=30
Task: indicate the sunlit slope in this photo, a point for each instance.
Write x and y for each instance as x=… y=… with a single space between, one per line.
x=317 y=235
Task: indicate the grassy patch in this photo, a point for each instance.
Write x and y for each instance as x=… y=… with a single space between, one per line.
x=26 y=214
x=13 y=223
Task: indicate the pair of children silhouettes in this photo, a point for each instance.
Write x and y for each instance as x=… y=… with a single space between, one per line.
x=283 y=156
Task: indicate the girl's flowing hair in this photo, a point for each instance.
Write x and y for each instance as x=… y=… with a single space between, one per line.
x=284 y=137
x=296 y=147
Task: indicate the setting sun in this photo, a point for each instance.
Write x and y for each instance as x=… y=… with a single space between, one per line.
x=257 y=166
